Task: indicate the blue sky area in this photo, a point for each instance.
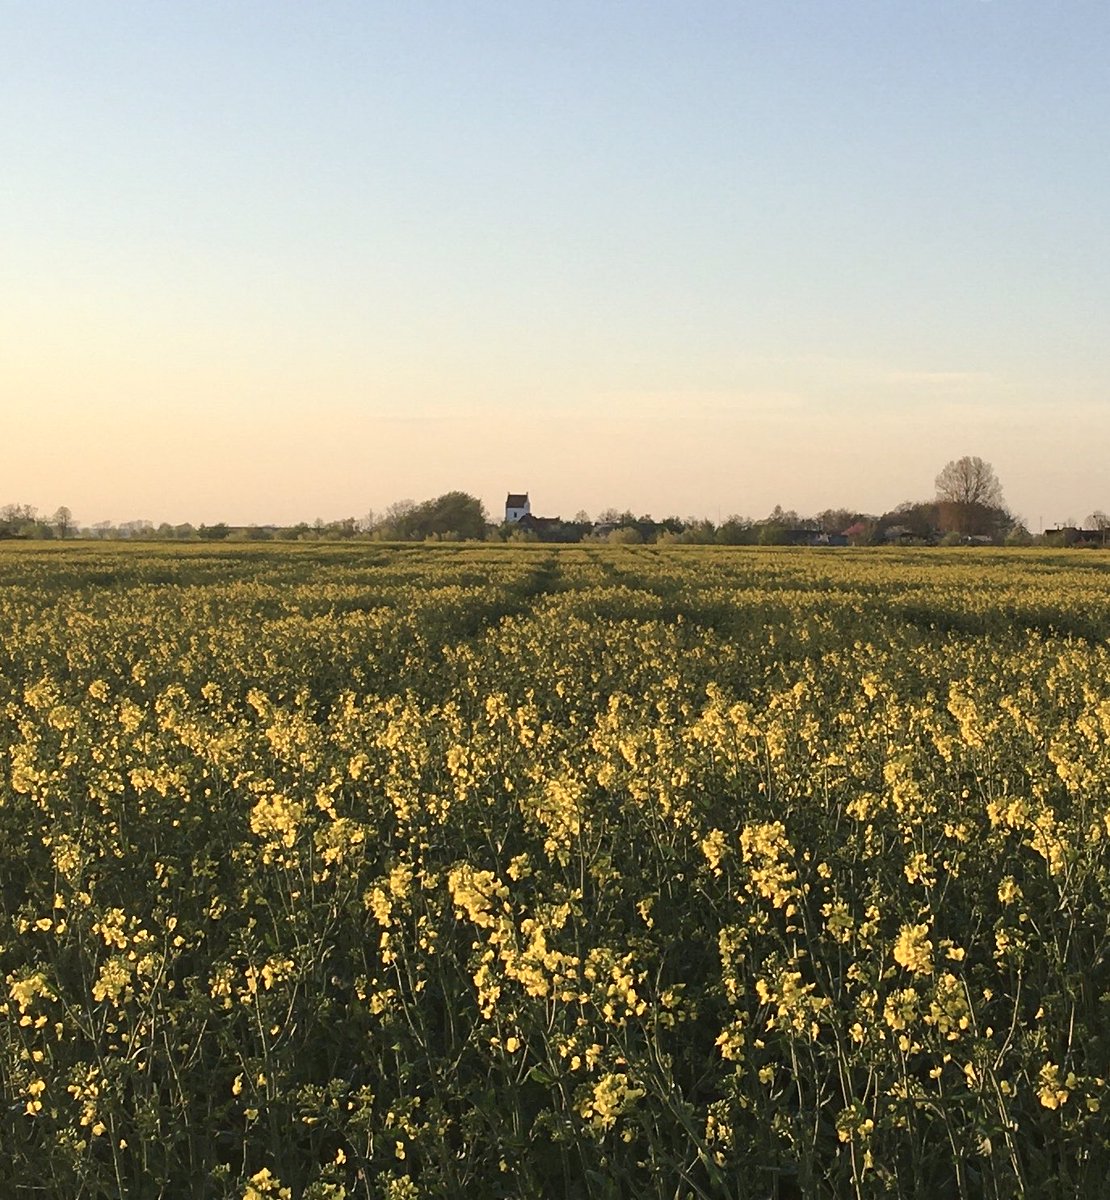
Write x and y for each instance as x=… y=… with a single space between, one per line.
x=272 y=261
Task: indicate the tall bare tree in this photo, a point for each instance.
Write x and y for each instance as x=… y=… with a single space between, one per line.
x=62 y=520
x=1100 y=521
x=969 y=480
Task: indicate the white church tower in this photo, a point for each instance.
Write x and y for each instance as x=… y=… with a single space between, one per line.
x=516 y=506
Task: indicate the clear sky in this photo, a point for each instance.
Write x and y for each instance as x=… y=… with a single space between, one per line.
x=265 y=261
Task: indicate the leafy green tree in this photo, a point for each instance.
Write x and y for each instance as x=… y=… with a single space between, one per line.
x=976 y=520
x=735 y=531
x=836 y=520
x=625 y=535
x=918 y=519
x=772 y=534
x=700 y=532
x=452 y=515
x=785 y=518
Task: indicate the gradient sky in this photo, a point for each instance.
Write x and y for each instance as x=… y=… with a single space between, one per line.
x=268 y=261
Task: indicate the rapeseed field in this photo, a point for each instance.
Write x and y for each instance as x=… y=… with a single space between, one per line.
x=362 y=871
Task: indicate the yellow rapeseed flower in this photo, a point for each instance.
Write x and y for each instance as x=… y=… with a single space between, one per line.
x=913 y=950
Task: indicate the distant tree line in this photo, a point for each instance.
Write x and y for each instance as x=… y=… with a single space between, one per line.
x=25 y=521
x=968 y=507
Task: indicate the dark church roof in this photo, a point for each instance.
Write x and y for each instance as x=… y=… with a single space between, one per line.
x=516 y=500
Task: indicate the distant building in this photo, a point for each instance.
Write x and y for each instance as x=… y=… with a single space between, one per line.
x=540 y=526
x=1069 y=535
x=517 y=506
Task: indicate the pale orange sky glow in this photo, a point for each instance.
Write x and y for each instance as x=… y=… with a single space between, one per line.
x=276 y=263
